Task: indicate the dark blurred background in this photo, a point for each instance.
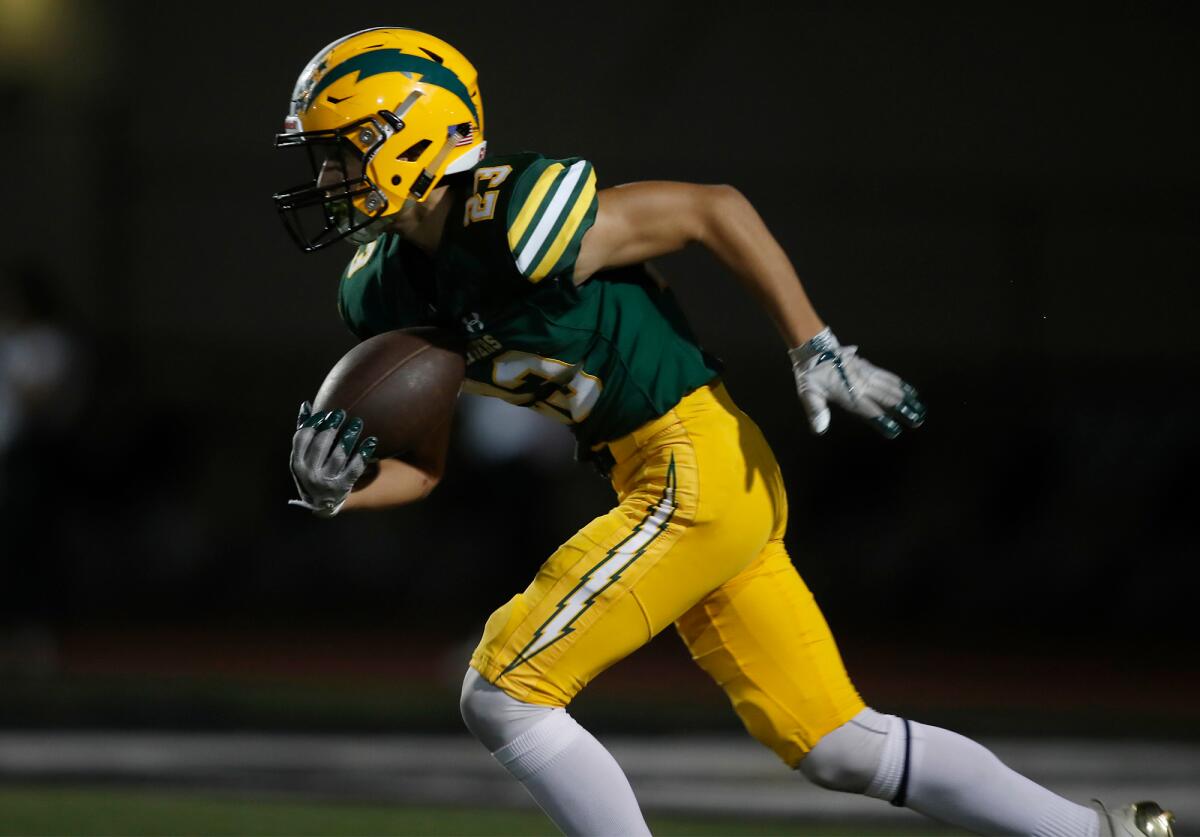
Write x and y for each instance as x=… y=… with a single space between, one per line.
x=997 y=201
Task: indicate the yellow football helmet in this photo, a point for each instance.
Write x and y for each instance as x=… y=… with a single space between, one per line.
x=384 y=115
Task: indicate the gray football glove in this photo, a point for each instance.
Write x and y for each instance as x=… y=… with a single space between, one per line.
x=827 y=371
x=324 y=462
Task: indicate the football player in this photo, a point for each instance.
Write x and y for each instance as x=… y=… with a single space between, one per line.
x=543 y=273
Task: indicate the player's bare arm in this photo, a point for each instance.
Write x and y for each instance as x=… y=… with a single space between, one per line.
x=397 y=482
x=642 y=221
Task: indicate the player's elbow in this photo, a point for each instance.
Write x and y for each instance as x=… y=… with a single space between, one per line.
x=430 y=482
x=728 y=199
x=725 y=193
x=418 y=487
x=723 y=205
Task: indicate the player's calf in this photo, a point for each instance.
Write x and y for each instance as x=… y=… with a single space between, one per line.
x=943 y=775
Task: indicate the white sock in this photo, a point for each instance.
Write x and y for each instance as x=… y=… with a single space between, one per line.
x=957 y=781
x=573 y=778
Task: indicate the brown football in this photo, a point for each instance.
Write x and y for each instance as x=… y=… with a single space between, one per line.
x=402 y=384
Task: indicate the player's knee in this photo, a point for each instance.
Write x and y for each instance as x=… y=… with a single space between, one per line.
x=468 y=703
x=478 y=705
x=772 y=729
x=848 y=758
x=492 y=716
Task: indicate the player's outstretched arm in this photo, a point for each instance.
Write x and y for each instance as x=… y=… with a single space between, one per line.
x=641 y=221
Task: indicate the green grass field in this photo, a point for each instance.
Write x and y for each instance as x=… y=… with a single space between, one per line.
x=33 y=811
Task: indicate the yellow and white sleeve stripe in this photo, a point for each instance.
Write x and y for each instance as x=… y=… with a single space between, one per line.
x=546 y=227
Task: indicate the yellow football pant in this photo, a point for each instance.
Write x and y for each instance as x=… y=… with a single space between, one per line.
x=697 y=540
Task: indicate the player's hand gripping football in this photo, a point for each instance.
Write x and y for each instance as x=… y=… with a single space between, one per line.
x=325 y=464
x=827 y=371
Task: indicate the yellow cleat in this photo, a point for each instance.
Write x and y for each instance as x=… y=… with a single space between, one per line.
x=1139 y=819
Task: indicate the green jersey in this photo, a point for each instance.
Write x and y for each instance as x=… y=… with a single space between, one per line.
x=605 y=356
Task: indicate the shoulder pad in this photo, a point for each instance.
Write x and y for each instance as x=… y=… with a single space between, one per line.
x=552 y=203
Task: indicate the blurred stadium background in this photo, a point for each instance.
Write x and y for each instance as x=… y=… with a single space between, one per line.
x=999 y=202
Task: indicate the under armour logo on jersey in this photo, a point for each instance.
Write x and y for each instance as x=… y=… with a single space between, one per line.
x=602 y=576
x=472 y=323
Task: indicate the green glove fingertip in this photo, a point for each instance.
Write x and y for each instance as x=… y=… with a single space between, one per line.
x=314 y=419
x=916 y=407
x=886 y=426
x=368 y=448
x=332 y=420
x=350 y=435
x=911 y=408
x=305 y=412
